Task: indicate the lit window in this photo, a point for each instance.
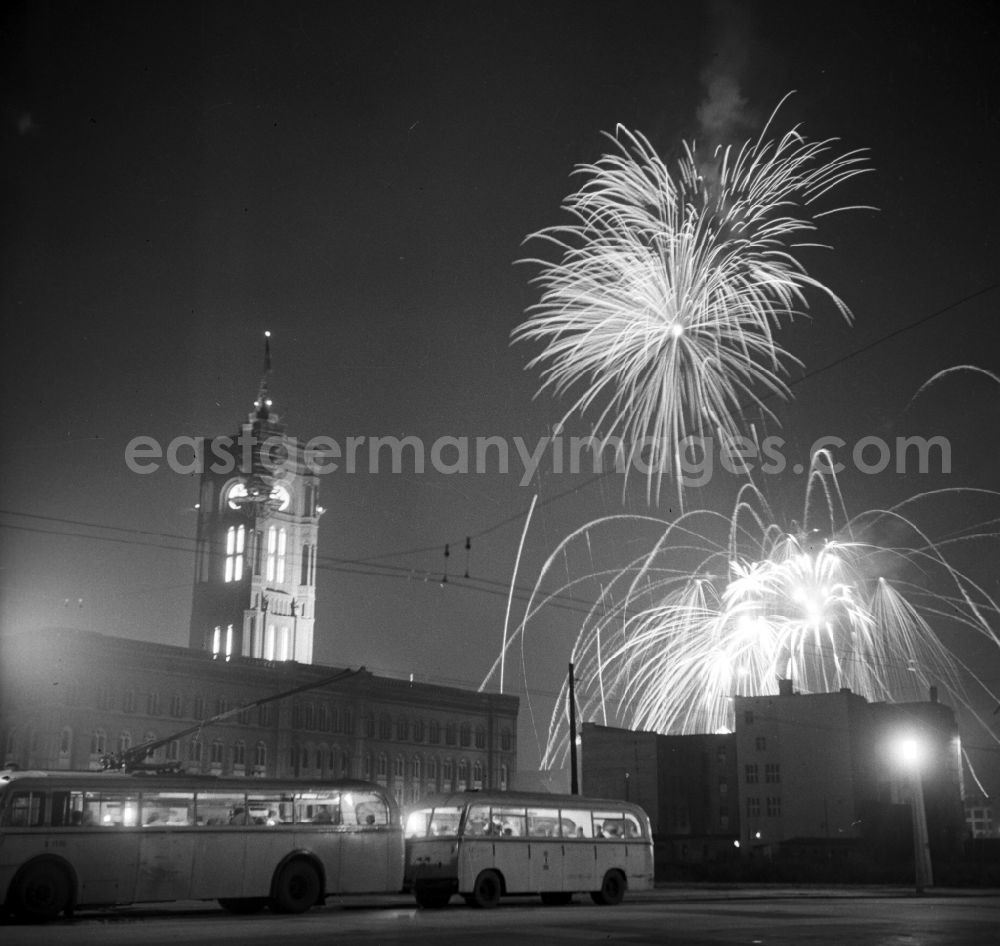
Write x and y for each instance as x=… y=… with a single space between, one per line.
x=272 y=551
x=235 y=539
x=282 y=539
x=216 y=641
x=269 y=642
x=229 y=641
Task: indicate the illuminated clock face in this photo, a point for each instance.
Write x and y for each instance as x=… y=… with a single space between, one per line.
x=281 y=496
x=234 y=494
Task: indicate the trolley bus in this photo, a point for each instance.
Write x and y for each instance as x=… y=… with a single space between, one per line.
x=484 y=845
x=100 y=838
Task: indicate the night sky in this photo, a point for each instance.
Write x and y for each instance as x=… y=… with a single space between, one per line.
x=179 y=178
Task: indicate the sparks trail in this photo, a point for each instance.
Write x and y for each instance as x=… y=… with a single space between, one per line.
x=720 y=606
x=664 y=304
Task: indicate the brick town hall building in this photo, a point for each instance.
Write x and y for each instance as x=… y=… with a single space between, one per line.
x=69 y=697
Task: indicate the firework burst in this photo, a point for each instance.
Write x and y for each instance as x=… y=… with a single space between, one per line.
x=662 y=309
x=721 y=606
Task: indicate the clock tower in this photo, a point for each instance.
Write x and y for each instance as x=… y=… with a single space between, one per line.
x=258 y=524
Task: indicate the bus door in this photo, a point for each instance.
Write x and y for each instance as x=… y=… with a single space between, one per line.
x=219 y=860
x=510 y=848
x=580 y=858
x=166 y=849
x=371 y=845
x=108 y=847
x=545 y=850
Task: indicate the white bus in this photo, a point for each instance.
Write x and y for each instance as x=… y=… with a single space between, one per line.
x=99 y=838
x=484 y=845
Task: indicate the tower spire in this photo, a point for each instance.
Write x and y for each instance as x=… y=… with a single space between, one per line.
x=263 y=402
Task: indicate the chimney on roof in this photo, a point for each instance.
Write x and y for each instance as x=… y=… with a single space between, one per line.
x=933 y=694
x=784 y=687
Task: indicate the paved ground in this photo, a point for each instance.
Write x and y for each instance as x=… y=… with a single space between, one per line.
x=685 y=915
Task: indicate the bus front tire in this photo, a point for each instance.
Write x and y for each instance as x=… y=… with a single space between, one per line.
x=296 y=888
x=40 y=892
x=486 y=890
x=612 y=889
x=243 y=905
x=556 y=898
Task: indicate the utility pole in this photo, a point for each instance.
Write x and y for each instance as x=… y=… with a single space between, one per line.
x=574 y=784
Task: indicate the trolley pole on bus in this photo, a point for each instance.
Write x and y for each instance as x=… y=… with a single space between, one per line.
x=574 y=784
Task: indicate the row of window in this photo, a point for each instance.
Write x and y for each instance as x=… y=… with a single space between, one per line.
x=772 y=773
x=772 y=806
x=318 y=717
x=274 y=559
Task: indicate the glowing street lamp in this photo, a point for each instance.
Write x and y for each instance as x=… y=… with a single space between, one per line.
x=911 y=754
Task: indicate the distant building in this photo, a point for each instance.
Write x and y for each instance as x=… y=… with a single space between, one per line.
x=686 y=784
x=815 y=771
x=69 y=697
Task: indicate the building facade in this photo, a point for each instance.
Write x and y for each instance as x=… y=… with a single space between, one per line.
x=70 y=697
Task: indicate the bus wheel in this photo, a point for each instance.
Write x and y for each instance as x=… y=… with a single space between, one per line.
x=556 y=898
x=431 y=899
x=243 y=905
x=486 y=892
x=296 y=888
x=612 y=889
x=40 y=892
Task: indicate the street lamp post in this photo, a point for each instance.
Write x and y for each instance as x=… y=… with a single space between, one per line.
x=910 y=752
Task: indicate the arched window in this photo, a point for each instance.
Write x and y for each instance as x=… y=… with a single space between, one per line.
x=260 y=756
x=366 y=766
x=65 y=741
x=124 y=740
x=415 y=767
x=98 y=742
x=235 y=541
x=195 y=750
x=383 y=766
x=173 y=750
x=449 y=771
x=402 y=729
x=218 y=752
x=432 y=769
x=240 y=753
x=503 y=778
x=480 y=737
x=434 y=731
x=449 y=734
x=399 y=767
x=477 y=774
x=384 y=727
x=418 y=730
x=463 y=771
x=465 y=735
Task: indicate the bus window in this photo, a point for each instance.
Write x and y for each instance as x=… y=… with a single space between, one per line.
x=167 y=808
x=608 y=824
x=117 y=809
x=317 y=807
x=67 y=809
x=216 y=808
x=543 y=822
x=25 y=810
x=272 y=808
x=477 y=822
x=445 y=822
x=633 y=829
x=510 y=821
x=576 y=823
x=364 y=808
x=418 y=823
